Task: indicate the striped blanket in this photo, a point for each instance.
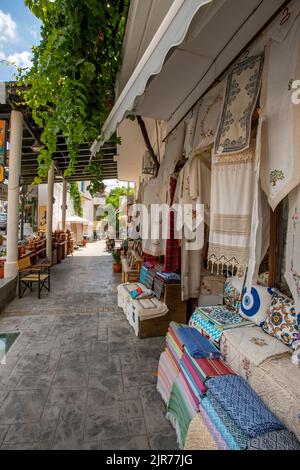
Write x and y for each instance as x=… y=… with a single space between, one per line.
x=167 y=374
x=181 y=409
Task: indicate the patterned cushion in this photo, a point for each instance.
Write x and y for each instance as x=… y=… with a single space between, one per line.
x=282 y=319
x=256 y=304
x=233 y=293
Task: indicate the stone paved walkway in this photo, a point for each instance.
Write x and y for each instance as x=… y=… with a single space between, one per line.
x=77 y=377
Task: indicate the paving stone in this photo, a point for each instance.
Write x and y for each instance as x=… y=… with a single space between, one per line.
x=104 y=392
x=154 y=411
x=32 y=432
x=75 y=445
x=22 y=406
x=106 y=423
x=3 y=432
x=138 y=378
x=136 y=427
x=129 y=443
x=70 y=426
x=163 y=441
x=34 y=382
x=134 y=408
x=106 y=367
x=27 y=446
x=70 y=377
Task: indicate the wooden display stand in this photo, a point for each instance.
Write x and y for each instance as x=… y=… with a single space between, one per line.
x=131 y=264
x=177 y=312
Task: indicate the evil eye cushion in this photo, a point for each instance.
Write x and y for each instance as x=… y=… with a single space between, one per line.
x=233 y=293
x=256 y=304
x=282 y=319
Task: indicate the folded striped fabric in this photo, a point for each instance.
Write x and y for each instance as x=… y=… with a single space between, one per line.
x=181 y=409
x=188 y=371
x=223 y=430
x=194 y=393
x=176 y=352
x=238 y=435
x=196 y=344
x=167 y=373
x=221 y=443
x=243 y=405
x=208 y=368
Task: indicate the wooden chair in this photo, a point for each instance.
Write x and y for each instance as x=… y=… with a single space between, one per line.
x=30 y=274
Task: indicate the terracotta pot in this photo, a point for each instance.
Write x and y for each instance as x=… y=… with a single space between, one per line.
x=117 y=267
x=1 y=270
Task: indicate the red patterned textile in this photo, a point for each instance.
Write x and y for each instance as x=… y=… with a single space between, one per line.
x=172 y=256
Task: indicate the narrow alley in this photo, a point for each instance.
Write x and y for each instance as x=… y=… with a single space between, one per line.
x=77 y=377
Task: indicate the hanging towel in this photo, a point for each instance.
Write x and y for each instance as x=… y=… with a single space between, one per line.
x=242 y=90
x=281 y=137
x=292 y=274
x=231 y=210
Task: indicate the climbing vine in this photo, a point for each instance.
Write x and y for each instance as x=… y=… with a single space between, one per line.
x=70 y=87
x=76 y=199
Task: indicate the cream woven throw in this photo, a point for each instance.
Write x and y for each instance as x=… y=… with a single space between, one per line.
x=292 y=274
x=280 y=169
x=232 y=190
x=198 y=436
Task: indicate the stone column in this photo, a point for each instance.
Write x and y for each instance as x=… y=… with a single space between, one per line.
x=64 y=206
x=50 y=212
x=15 y=154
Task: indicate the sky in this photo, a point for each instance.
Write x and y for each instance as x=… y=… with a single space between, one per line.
x=19 y=31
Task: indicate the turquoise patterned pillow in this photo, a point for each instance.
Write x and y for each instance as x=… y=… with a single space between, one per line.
x=282 y=319
x=233 y=293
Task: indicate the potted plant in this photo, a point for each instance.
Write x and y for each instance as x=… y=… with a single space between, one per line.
x=117 y=266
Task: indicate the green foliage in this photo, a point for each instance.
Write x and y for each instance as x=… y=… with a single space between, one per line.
x=70 y=87
x=115 y=194
x=116 y=254
x=76 y=199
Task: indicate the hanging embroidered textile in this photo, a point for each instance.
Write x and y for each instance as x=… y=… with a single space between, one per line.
x=208 y=118
x=281 y=136
x=292 y=274
x=232 y=190
x=188 y=196
x=173 y=153
x=190 y=129
x=242 y=90
x=153 y=242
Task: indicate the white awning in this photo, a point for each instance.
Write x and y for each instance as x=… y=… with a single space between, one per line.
x=196 y=42
x=170 y=33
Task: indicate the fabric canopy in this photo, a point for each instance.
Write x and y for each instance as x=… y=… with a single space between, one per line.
x=201 y=36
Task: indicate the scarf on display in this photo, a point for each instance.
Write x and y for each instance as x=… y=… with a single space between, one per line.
x=242 y=90
x=292 y=274
x=208 y=118
x=232 y=189
x=281 y=137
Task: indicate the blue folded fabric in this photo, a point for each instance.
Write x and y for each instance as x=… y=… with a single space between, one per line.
x=243 y=405
x=197 y=345
x=223 y=430
x=277 y=440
